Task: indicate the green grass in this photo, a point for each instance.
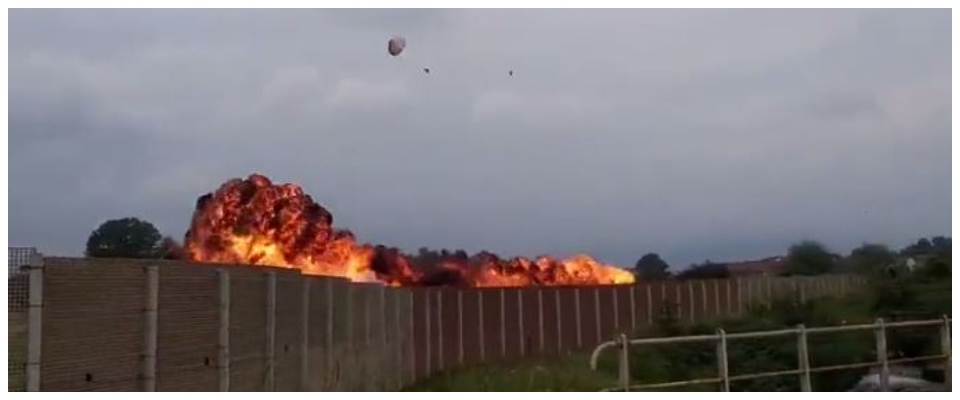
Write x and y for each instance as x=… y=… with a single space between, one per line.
x=559 y=374
x=16 y=350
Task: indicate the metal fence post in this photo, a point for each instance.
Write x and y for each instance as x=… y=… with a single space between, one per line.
x=881 y=339
x=722 y=365
x=223 y=345
x=151 y=303
x=34 y=323
x=803 y=358
x=271 y=341
x=624 y=363
x=945 y=350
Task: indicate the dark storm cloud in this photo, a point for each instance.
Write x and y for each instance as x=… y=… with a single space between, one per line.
x=719 y=134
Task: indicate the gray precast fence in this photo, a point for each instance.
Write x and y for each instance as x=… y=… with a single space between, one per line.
x=148 y=325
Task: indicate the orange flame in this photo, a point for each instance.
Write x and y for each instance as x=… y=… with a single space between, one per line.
x=255 y=222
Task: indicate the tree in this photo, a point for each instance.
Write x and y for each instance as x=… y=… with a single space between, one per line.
x=941 y=244
x=125 y=238
x=707 y=270
x=809 y=258
x=922 y=247
x=871 y=257
x=651 y=267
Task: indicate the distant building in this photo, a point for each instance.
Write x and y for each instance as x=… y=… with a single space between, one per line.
x=770 y=266
x=18 y=257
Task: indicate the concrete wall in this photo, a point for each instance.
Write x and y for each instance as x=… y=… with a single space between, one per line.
x=243 y=328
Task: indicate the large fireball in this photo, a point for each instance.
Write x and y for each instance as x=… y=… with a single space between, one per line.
x=254 y=221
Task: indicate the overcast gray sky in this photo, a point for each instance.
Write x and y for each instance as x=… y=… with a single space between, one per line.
x=698 y=134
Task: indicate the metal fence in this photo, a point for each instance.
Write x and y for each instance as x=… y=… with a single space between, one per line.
x=803 y=370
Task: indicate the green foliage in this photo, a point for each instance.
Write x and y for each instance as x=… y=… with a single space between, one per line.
x=809 y=258
x=651 y=267
x=871 y=258
x=707 y=270
x=124 y=238
x=562 y=374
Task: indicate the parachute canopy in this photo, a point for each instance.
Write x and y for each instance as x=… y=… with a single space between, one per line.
x=396 y=45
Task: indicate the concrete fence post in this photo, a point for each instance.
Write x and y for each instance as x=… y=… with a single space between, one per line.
x=150 y=317
x=679 y=298
x=34 y=323
x=716 y=298
x=523 y=334
x=728 y=297
x=480 y=326
x=739 y=296
x=440 y=331
x=769 y=282
x=328 y=354
x=385 y=328
x=556 y=298
x=223 y=343
x=633 y=308
x=649 y=304
x=693 y=301
x=305 y=333
x=271 y=331
x=543 y=345
x=616 y=309
x=428 y=355
x=576 y=297
x=503 y=323
x=413 y=338
x=400 y=339
x=596 y=313
x=798 y=289
x=703 y=297
x=460 y=351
